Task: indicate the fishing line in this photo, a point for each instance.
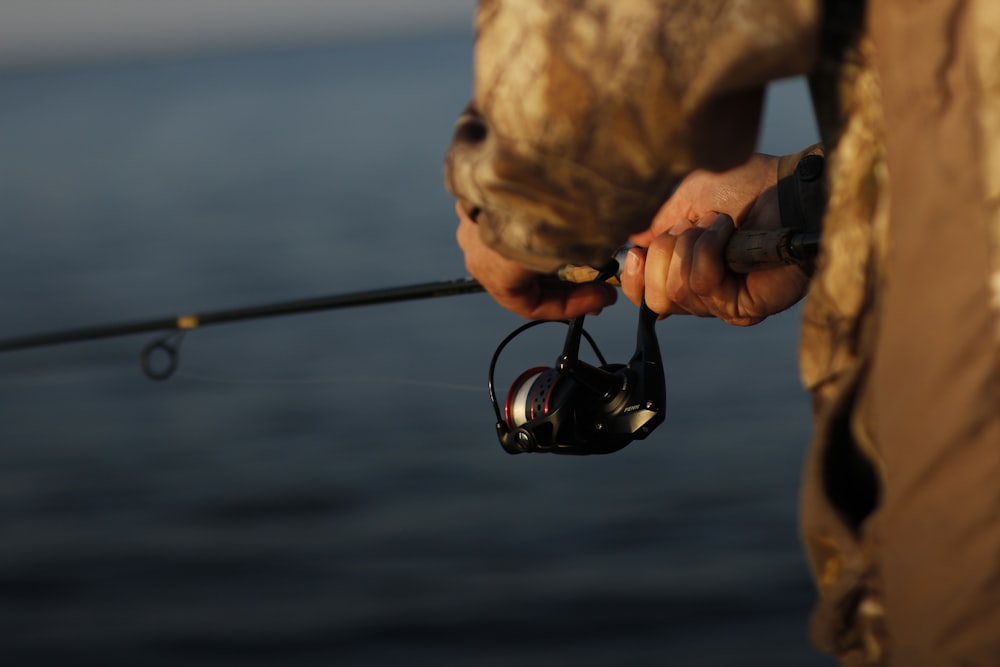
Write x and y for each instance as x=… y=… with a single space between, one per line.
x=290 y=382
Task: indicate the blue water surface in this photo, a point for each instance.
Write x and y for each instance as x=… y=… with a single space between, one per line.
x=327 y=489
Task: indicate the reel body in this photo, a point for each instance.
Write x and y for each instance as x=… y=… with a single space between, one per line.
x=579 y=408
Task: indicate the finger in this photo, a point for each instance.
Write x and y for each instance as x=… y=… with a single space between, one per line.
x=659 y=256
x=547 y=298
x=680 y=227
x=663 y=223
x=523 y=292
x=633 y=275
x=705 y=221
x=708 y=278
x=678 y=279
x=642 y=239
x=559 y=300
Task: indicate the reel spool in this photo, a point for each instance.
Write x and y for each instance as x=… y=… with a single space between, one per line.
x=534 y=394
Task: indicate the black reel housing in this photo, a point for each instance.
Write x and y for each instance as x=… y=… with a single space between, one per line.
x=579 y=408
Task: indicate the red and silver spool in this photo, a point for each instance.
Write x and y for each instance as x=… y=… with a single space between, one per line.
x=536 y=393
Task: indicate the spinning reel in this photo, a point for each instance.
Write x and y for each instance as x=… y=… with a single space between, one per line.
x=578 y=408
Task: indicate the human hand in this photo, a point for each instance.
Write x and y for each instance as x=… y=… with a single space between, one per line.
x=531 y=295
x=683 y=271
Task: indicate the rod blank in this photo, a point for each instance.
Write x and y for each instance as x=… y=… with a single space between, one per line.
x=196 y=320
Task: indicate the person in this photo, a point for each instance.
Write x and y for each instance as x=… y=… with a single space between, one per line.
x=900 y=506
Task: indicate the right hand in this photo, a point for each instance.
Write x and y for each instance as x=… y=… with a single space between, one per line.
x=683 y=270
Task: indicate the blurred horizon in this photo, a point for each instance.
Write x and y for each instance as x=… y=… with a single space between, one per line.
x=47 y=33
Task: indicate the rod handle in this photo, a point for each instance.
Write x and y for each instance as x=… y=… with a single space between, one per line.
x=746 y=252
x=752 y=251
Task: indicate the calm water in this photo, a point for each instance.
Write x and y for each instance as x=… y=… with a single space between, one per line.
x=327 y=489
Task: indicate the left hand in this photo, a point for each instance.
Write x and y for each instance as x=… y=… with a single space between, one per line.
x=530 y=294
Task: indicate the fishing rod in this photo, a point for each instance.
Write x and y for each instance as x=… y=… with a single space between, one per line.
x=179 y=324
x=747 y=251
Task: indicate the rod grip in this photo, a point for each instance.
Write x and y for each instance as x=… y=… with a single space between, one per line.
x=746 y=252
x=752 y=251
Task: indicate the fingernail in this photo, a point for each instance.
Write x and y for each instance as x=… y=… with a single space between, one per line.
x=632 y=262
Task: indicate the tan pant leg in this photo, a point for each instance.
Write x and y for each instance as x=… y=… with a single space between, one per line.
x=934 y=393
